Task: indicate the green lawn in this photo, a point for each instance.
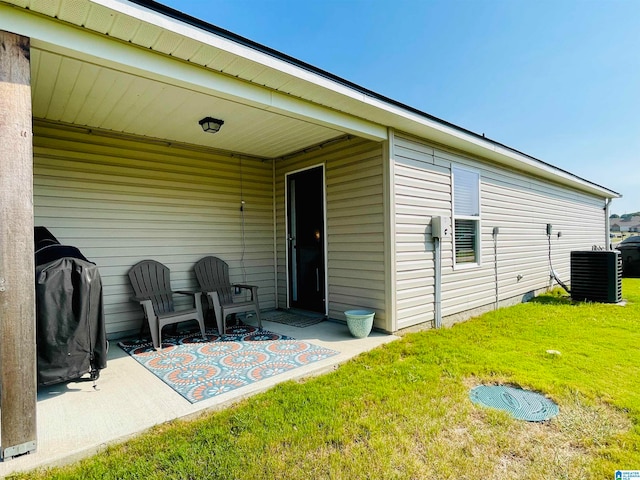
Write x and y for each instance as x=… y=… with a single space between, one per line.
x=402 y=411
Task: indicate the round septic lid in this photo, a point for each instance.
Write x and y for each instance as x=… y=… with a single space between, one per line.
x=521 y=404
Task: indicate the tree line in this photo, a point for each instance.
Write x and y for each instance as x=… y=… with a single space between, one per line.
x=625 y=216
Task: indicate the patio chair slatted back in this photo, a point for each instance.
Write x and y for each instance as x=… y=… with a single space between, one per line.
x=213 y=276
x=150 y=280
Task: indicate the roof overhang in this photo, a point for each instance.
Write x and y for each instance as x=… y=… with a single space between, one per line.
x=280 y=103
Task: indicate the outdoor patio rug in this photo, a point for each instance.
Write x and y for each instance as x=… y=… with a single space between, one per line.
x=294 y=319
x=199 y=369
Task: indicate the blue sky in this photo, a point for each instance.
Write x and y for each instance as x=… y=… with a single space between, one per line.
x=559 y=80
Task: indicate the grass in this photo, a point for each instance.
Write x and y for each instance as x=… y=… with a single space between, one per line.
x=402 y=411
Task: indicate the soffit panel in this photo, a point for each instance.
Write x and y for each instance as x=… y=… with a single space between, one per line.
x=124 y=28
x=118 y=25
x=204 y=55
x=146 y=35
x=167 y=42
x=187 y=49
x=240 y=69
x=100 y=19
x=129 y=29
x=221 y=61
x=74 y=11
x=71 y=91
x=271 y=78
x=45 y=6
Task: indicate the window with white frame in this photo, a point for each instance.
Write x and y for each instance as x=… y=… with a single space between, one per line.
x=466 y=215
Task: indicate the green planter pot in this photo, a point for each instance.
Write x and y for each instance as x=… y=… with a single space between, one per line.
x=360 y=322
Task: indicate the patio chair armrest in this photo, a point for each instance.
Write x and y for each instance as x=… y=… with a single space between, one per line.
x=138 y=299
x=141 y=300
x=197 y=295
x=189 y=292
x=197 y=298
x=253 y=288
x=242 y=285
x=147 y=306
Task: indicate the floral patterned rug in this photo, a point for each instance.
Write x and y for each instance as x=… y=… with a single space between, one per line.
x=200 y=368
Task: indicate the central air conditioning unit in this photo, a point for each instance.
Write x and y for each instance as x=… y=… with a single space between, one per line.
x=596 y=276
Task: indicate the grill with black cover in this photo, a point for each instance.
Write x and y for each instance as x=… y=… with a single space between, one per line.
x=70 y=330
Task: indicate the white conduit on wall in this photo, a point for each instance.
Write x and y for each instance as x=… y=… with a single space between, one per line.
x=496 y=230
x=440 y=227
x=607 y=225
x=437 y=284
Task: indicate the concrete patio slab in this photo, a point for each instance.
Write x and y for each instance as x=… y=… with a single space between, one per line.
x=76 y=421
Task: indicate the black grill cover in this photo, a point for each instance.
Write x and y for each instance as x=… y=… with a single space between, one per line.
x=70 y=319
x=43 y=237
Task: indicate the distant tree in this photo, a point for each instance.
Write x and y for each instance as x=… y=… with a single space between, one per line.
x=615 y=215
x=627 y=216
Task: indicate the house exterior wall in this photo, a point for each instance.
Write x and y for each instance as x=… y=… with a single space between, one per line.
x=355 y=210
x=121 y=201
x=519 y=205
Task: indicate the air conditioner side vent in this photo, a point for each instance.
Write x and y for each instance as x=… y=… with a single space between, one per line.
x=596 y=276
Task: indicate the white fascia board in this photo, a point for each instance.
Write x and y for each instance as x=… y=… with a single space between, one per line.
x=75 y=42
x=154 y=18
x=445 y=134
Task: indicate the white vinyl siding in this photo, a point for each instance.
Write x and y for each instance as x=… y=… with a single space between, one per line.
x=518 y=204
x=355 y=219
x=122 y=201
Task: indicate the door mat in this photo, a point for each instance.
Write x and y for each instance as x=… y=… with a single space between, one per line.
x=199 y=369
x=293 y=319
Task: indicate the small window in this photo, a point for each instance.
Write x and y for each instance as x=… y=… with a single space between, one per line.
x=466 y=215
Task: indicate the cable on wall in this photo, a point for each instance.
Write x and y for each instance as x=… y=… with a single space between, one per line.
x=242 y=222
x=553 y=274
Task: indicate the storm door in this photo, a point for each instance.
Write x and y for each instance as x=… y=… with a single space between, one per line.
x=306 y=239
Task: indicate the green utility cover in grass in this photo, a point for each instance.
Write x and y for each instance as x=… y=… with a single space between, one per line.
x=521 y=404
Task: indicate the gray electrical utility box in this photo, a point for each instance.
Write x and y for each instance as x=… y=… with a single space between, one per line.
x=440 y=227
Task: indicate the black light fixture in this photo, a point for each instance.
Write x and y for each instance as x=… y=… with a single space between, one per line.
x=211 y=125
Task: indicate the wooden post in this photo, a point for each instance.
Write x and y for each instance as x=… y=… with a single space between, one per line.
x=18 y=383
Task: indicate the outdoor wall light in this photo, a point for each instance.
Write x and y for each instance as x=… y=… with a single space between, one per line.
x=211 y=125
